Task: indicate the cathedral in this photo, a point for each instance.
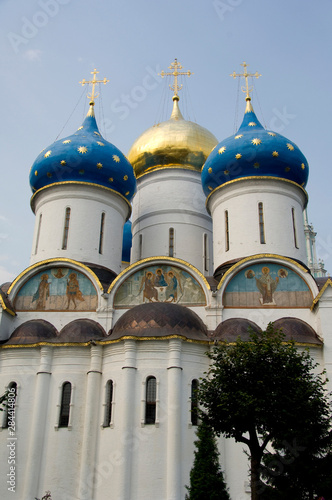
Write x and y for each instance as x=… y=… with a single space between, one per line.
x=139 y=265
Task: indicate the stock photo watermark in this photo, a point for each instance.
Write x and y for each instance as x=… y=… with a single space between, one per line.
x=12 y=440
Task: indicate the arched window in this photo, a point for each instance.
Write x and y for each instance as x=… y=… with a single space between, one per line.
x=108 y=403
x=171 y=242
x=9 y=413
x=38 y=233
x=150 y=400
x=65 y=405
x=261 y=222
x=294 y=228
x=101 y=233
x=140 y=247
x=194 y=402
x=66 y=229
x=226 y=231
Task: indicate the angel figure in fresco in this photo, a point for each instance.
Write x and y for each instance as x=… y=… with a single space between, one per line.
x=172 y=287
x=159 y=279
x=267 y=286
x=148 y=287
x=73 y=290
x=42 y=293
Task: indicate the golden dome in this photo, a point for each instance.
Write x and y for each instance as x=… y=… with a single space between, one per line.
x=175 y=143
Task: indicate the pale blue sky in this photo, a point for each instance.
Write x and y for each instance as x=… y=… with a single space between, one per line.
x=48 y=46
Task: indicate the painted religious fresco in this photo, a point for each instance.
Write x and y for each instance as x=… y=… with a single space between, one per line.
x=267 y=285
x=159 y=283
x=57 y=289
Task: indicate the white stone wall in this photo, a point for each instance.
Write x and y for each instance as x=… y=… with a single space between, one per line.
x=241 y=200
x=172 y=198
x=87 y=203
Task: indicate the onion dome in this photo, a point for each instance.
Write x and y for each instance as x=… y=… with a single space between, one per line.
x=86 y=158
x=254 y=152
x=159 y=319
x=127 y=242
x=175 y=143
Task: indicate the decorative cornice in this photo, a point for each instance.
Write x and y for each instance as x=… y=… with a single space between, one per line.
x=256 y=257
x=5 y=308
x=327 y=283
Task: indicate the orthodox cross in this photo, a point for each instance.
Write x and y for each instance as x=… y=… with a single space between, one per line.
x=93 y=82
x=175 y=66
x=245 y=74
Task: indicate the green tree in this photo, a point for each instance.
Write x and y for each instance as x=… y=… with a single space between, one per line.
x=265 y=392
x=206 y=477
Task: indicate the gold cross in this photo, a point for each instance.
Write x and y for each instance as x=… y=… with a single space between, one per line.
x=175 y=66
x=93 y=96
x=245 y=74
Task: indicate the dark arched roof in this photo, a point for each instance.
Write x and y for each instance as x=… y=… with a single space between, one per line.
x=32 y=332
x=159 y=319
x=81 y=330
x=297 y=330
x=230 y=329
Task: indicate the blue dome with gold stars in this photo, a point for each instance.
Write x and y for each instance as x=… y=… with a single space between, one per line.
x=84 y=157
x=254 y=152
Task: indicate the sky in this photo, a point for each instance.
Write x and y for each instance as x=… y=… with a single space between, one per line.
x=48 y=46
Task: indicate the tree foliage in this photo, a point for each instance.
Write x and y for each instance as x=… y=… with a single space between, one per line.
x=265 y=392
x=206 y=477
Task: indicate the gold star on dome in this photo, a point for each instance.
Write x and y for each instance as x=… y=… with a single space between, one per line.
x=222 y=150
x=81 y=172
x=47 y=154
x=111 y=179
x=226 y=172
x=97 y=133
x=99 y=165
x=275 y=154
x=256 y=141
x=116 y=158
x=127 y=193
x=252 y=124
x=100 y=143
x=63 y=162
x=49 y=175
x=287 y=169
x=36 y=173
x=272 y=134
x=125 y=177
x=238 y=156
x=210 y=188
x=82 y=149
x=302 y=166
x=290 y=146
x=210 y=170
x=238 y=136
x=80 y=128
x=256 y=165
x=67 y=141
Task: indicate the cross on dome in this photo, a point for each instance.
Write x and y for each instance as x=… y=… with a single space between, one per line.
x=175 y=66
x=246 y=75
x=93 y=82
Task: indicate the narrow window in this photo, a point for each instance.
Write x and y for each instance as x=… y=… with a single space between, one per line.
x=108 y=403
x=101 y=234
x=140 y=247
x=9 y=420
x=206 y=253
x=38 y=233
x=66 y=229
x=261 y=223
x=150 y=400
x=171 y=242
x=226 y=231
x=194 y=402
x=294 y=228
x=65 y=405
